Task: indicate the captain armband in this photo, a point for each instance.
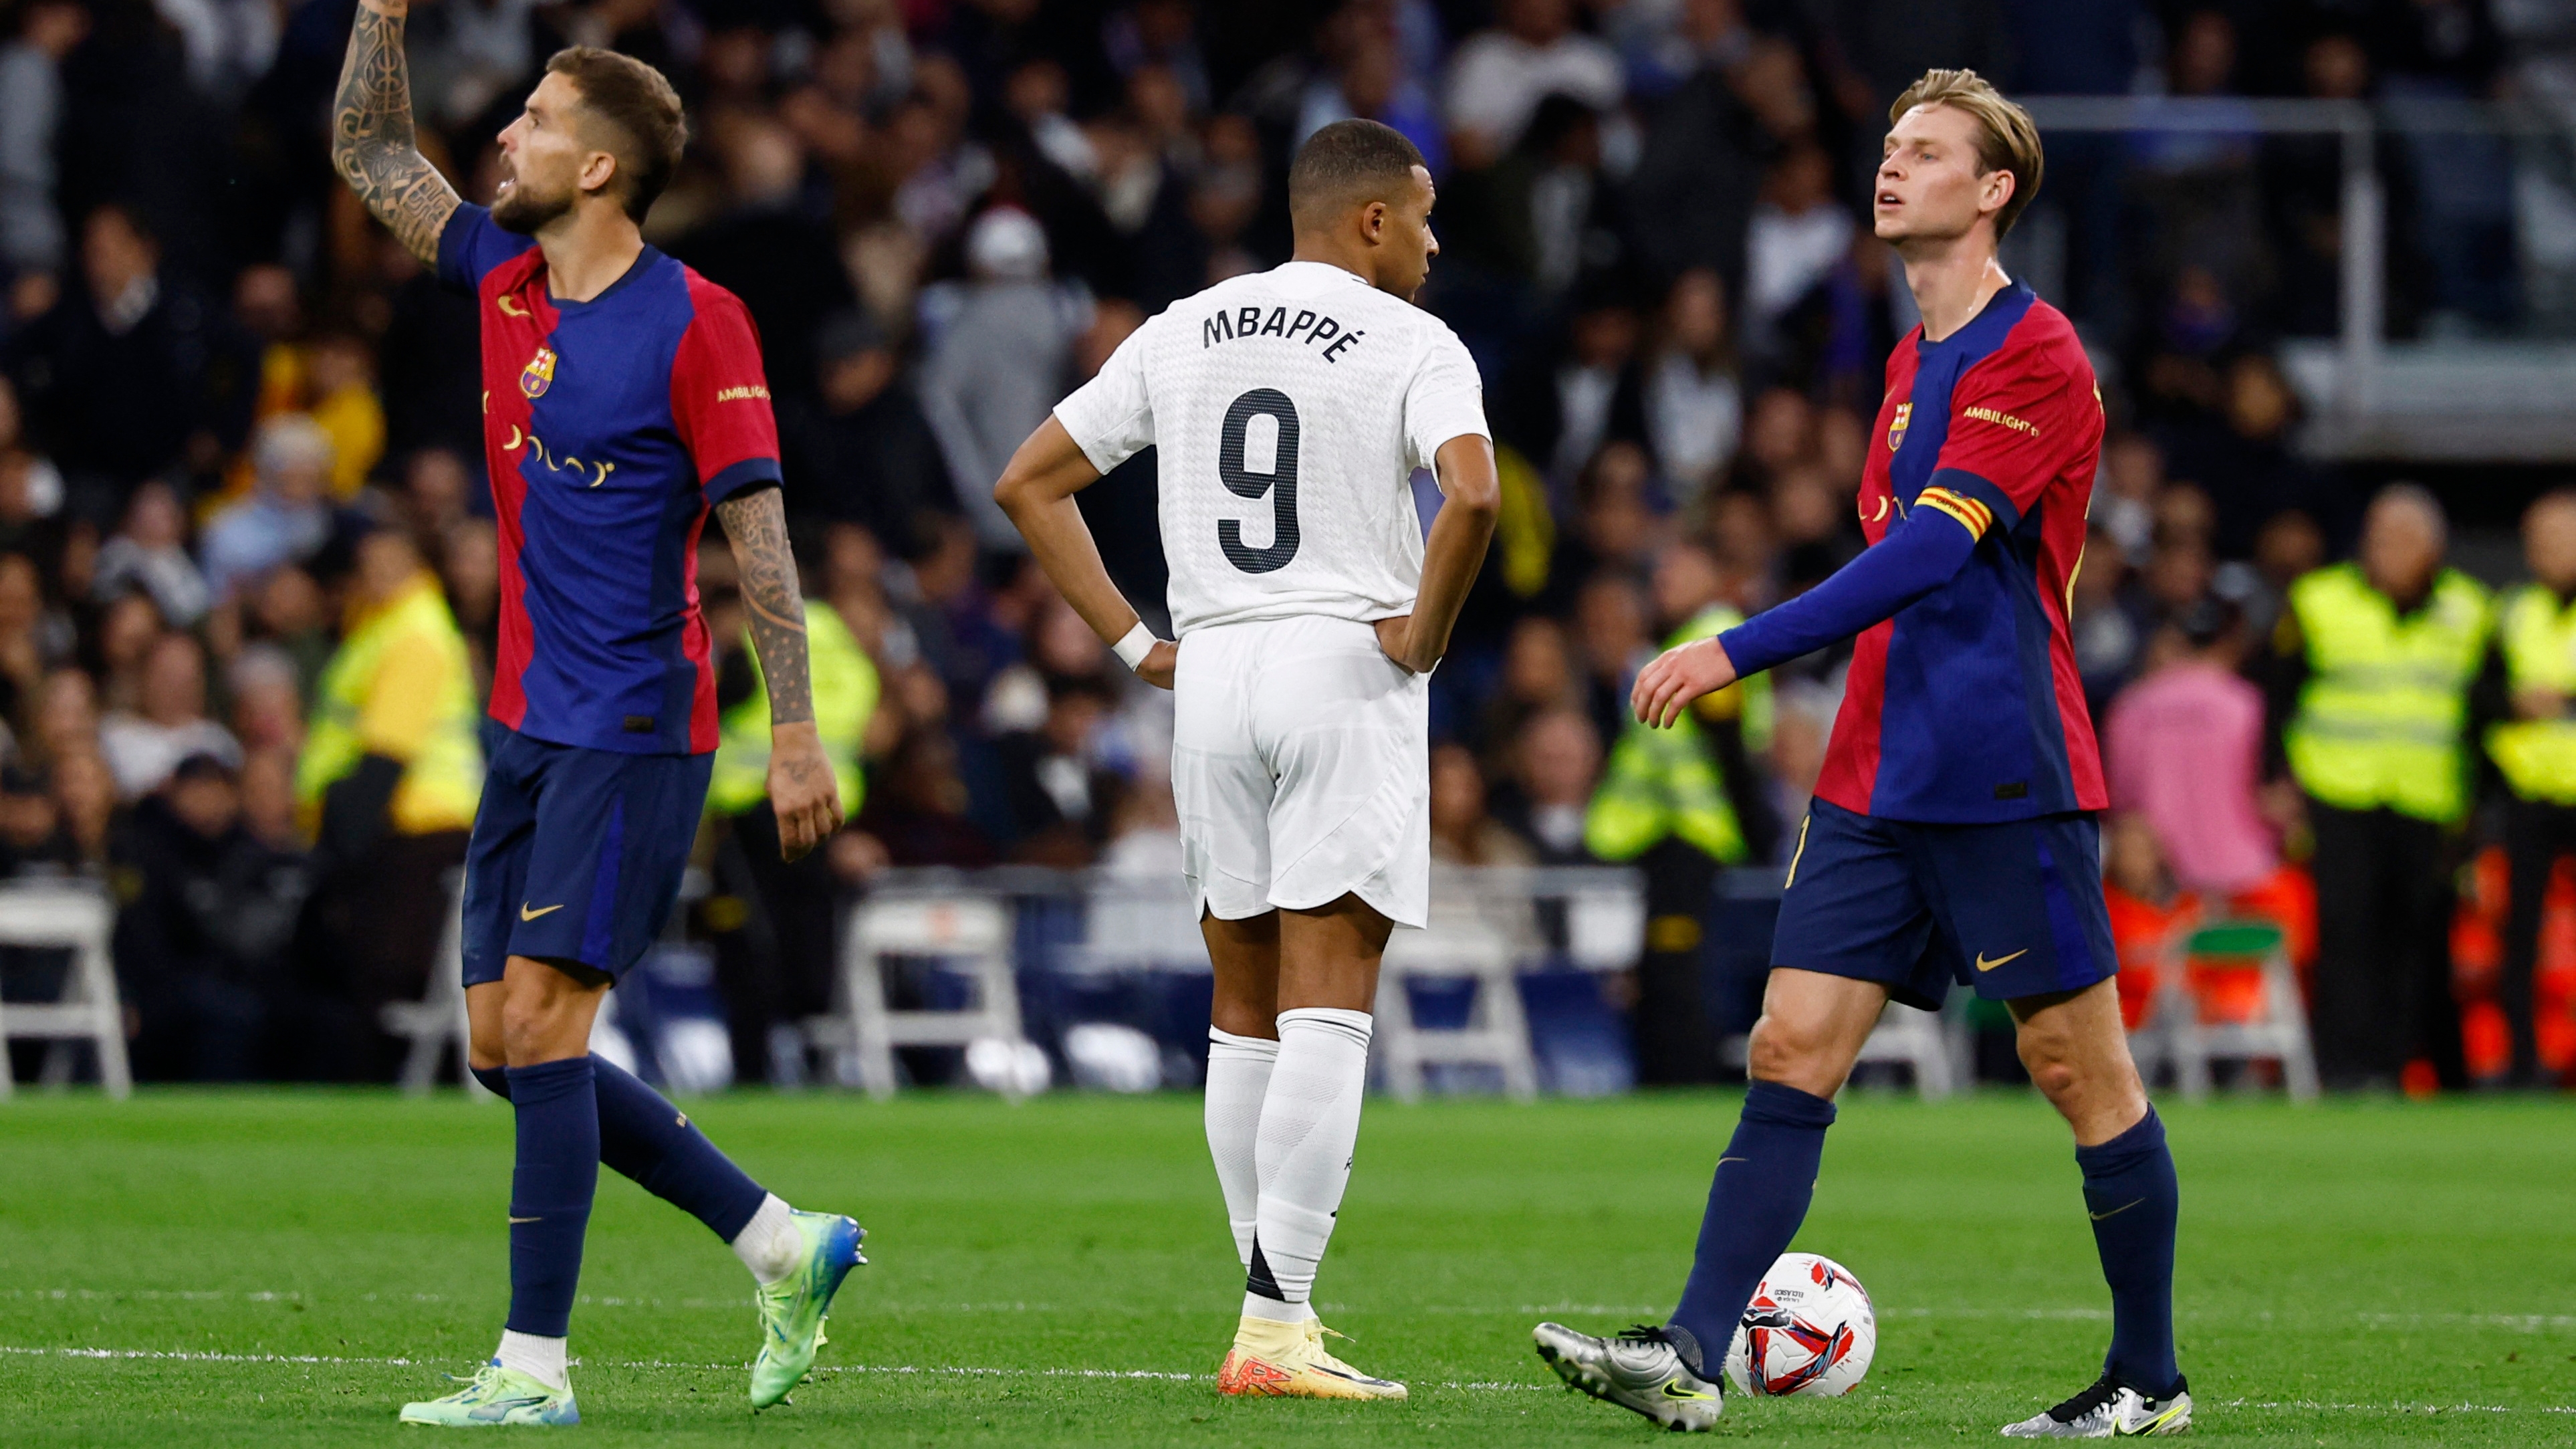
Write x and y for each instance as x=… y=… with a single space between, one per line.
x=1975 y=515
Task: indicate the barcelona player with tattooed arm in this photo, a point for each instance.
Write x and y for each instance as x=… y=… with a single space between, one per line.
x=623 y=400
x=1952 y=837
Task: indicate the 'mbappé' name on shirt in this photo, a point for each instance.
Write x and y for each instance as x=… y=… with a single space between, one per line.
x=1309 y=327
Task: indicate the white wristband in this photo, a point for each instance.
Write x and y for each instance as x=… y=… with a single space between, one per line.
x=1132 y=649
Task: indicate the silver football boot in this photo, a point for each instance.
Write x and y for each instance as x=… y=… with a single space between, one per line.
x=1639 y=1370
x=2108 y=1410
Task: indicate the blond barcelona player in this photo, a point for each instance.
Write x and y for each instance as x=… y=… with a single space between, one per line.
x=1952 y=837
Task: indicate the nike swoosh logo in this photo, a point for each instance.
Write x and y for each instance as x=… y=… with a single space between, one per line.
x=2144 y=1427
x=527 y=1220
x=2115 y=1212
x=1725 y=1160
x=510 y=308
x=1985 y=965
x=1674 y=1390
x=527 y=914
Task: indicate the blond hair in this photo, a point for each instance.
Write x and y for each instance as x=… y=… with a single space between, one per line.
x=2006 y=141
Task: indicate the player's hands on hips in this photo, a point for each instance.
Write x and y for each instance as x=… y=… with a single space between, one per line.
x=1161 y=663
x=1395 y=636
x=803 y=792
x=1666 y=687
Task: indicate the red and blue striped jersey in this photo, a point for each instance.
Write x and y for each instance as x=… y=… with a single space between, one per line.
x=1965 y=707
x=610 y=427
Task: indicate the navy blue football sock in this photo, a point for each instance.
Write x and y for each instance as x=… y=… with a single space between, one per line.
x=1753 y=1212
x=2129 y=1188
x=643 y=1136
x=550 y=1193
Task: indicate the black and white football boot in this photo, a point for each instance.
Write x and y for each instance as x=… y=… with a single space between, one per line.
x=2109 y=1410
x=1642 y=1370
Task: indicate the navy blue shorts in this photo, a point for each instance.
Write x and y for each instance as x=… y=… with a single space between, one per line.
x=577 y=854
x=2013 y=909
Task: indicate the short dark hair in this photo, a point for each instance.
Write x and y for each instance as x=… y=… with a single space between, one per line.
x=638 y=102
x=1346 y=163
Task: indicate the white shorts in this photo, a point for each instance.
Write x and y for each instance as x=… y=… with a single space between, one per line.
x=1301 y=766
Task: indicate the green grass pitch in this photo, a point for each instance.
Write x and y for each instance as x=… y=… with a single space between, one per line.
x=286 y=1268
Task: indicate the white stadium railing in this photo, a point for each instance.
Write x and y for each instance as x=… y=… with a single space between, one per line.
x=1485 y=929
x=2477 y=394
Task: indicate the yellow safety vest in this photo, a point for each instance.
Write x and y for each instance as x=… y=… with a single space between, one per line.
x=1667 y=782
x=427 y=722
x=2387 y=700
x=2538 y=756
x=845 y=695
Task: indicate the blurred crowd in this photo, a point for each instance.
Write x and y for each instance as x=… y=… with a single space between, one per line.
x=239 y=425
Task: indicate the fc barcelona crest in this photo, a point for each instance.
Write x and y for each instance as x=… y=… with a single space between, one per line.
x=1895 y=428
x=539 y=375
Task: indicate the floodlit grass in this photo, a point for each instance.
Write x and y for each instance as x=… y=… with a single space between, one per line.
x=288 y=1267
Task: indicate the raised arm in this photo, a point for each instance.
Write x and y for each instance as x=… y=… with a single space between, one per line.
x=372 y=143
x=802 y=789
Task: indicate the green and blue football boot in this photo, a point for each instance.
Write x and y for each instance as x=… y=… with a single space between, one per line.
x=793 y=1308
x=496 y=1395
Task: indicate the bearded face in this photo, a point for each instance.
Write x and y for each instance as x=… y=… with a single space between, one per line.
x=526 y=203
x=542 y=156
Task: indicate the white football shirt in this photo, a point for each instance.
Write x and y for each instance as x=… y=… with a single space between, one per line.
x=1291 y=407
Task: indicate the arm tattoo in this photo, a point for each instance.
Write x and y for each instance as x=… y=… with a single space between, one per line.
x=757 y=524
x=372 y=144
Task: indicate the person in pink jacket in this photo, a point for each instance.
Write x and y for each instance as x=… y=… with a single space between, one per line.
x=2184 y=747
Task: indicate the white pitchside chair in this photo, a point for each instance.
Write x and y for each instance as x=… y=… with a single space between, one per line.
x=74 y=916
x=1476 y=935
x=1932 y=1044
x=2278 y=1031
x=970 y=935
x=1139 y=923
x=436 y=1022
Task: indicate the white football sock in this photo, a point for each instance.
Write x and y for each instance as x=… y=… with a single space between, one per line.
x=1310 y=1122
x=1256 y=1305
x=541 y=1359
x=1238 y=1074
x=769 y=1244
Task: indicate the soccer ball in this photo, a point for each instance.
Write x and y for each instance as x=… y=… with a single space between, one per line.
x=1809 y=1330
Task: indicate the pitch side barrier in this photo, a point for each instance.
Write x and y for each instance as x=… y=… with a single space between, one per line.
x=1501 y=990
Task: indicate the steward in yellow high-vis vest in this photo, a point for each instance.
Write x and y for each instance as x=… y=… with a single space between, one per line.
x=2534 y=749
x=1668 y=801
x=771 y=920
x=845 y=698
x=399 y=690
x=2375 y=661
x=1670 y=783
x=388 y=783
x=2382 y=722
